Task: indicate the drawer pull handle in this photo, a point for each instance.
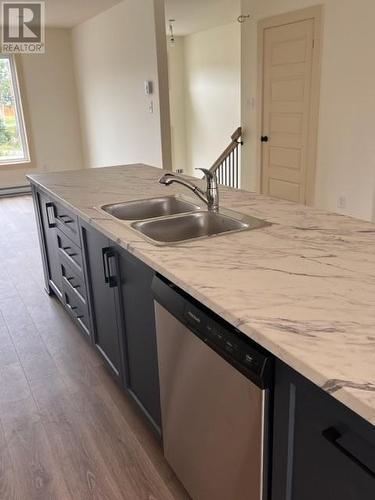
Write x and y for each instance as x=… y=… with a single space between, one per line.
x=342 y=443
x=51 y=217
x=65 y=219
x=70 y=282
x=71 y=254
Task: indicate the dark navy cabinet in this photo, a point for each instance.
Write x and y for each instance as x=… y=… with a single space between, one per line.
x=122 y=315
x=142 y=378
x=107 y=292
x=321 y=450
x=48 y=239
x=101 y=270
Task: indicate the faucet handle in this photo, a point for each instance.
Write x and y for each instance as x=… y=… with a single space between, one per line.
x=165 y=179
x=207 y=173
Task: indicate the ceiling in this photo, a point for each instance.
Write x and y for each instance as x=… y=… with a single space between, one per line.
x=197 y=15
x=68 y=13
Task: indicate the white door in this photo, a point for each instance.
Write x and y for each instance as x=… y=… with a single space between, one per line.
x=286 y=113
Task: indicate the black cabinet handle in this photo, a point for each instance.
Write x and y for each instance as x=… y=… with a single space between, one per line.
x=70 y=281
x=50 y=210
x=108 y=255
x=264 y=138
x=65 y=219
x=338 y=440
x=71 y=254
x=74 y=308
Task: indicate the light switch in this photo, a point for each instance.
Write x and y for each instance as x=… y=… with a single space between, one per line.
x=148 y=87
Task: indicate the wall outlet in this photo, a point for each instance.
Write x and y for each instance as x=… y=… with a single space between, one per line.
x=341 y=202
x=151 y=107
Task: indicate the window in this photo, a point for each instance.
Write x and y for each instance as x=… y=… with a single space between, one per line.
x=13 y=141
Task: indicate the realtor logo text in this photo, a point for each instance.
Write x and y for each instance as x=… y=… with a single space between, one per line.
x=23 y=26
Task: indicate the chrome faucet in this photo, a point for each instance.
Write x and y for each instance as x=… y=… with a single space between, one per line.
x=210 y=197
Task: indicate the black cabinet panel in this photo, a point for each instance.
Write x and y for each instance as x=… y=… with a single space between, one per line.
x=140 y=337
x=69 y=251
x=51 y=246
x=64 y=219
x=102 y=300
x=76 y=308
x=108 y=294
x=321 y=449
x=74 y=280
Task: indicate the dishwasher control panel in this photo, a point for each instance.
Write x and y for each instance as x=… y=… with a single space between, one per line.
x=227 y=341
x=235 y=347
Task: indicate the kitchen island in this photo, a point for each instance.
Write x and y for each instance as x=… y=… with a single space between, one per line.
x=302 y=288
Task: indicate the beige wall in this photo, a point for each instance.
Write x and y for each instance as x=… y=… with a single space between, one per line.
x=50 y=102
x=211 y=88
x=176 y=64
x=115 y=53
x=346 y=147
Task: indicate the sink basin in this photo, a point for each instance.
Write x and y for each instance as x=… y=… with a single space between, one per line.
x=151 y=208
x=195 y=225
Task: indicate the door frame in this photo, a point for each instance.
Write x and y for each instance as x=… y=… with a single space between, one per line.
x=315 y=13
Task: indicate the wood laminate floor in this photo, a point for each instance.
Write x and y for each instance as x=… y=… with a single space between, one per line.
x=66 y=429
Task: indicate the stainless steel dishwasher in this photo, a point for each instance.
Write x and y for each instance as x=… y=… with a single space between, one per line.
x=214 y=385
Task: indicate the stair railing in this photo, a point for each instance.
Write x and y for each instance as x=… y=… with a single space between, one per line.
x=227 y=166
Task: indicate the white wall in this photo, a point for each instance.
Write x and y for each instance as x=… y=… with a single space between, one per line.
x=50 y=103
x=346 y=146
x=177 y=97
x=211 y=88
x=115 y=53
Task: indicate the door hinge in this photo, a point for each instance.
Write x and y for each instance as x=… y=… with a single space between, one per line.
x=313 y=44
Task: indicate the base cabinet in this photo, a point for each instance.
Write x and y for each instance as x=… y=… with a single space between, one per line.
x=122 y=315
x=137 y=303
x=101 y=271
x=48 y=238
x=321 y=449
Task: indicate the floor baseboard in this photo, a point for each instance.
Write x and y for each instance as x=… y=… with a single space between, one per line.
x=15 y=191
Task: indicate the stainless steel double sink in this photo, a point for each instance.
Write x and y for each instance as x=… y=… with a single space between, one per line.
x=174 y=219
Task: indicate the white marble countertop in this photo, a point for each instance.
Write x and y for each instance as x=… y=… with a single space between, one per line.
x=304 y=288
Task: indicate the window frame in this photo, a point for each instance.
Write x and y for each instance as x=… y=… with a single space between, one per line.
x=20 y=116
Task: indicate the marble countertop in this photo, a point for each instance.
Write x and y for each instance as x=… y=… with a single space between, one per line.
x=304 y=288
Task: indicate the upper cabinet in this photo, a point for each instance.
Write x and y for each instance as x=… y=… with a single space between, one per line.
x=321 y=449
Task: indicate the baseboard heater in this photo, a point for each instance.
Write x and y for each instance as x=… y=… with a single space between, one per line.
x=14 y=191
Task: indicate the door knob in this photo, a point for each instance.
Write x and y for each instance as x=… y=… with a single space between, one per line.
x=264 y=138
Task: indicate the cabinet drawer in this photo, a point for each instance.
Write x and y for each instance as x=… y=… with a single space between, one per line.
x=69 y=251
x=73 y=280
x=64 y=219
x=76 y=308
